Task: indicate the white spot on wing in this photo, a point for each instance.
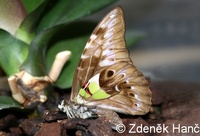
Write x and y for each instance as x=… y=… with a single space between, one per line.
x=87 y=46
x=112 y=16
x=93 y=36
x=105 y=63
x=95 y=78
x=116 y=88
x=84 y=56
x=105 y=52
x=132 y=87
x=107 y=35
x=102 y=26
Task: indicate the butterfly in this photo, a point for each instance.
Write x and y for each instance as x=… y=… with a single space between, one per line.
x=106 y=81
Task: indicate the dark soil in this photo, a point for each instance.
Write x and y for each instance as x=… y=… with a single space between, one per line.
x=175 y=104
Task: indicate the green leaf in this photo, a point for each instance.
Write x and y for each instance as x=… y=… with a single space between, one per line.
x=47 y=14
x=37 y=50
x=64 y=11
x=71 y=37
x=8 y=102
x=56 y=24
x=26 y=31
x=31 y=5
x=57 y=14
x=76 y=46
x=74 y=43
x=12 y=52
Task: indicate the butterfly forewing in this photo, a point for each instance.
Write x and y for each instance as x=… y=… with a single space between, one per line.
x=105 y=54
x=99 y=50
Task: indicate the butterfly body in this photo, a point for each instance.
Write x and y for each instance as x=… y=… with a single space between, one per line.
x=106 y=77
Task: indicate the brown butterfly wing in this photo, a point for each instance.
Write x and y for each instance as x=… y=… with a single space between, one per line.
x=128 y=87
x=104 y=38
x=106 y=53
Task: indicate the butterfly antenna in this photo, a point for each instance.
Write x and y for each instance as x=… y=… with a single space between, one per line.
x=45 y=73
x=53 y=81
